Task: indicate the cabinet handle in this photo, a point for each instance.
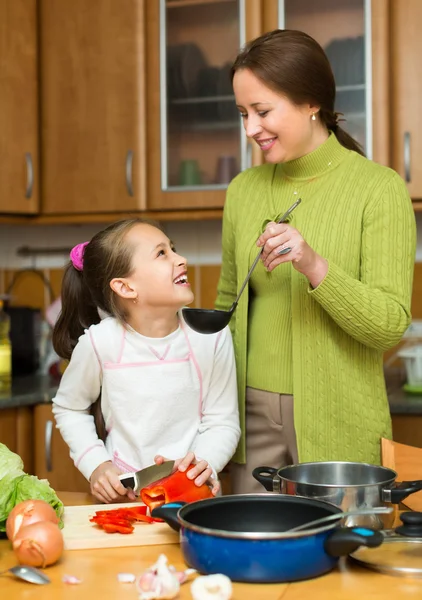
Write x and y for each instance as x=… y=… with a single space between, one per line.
x=48 y=438
x=29 y=175
x=406 y=156
x=129 y=163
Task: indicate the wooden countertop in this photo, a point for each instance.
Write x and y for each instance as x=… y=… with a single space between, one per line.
x=98 y=570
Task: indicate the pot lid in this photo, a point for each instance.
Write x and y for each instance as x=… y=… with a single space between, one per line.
x=400 y=554
x=396 y=556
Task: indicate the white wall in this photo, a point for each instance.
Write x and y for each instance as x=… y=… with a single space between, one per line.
x=200 y=242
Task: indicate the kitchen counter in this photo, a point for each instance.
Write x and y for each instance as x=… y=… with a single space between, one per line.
x=28 y=390
x=98 y=571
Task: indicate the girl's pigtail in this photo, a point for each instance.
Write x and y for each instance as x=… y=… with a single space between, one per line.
x=77 y=314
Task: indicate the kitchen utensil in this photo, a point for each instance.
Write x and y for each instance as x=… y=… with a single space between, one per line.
x=204 y=320
x=247 y=537
x=30 y=574
x=136 y=481
x=348 y=485
x=401 y=553
x=80 y=534
x=363 y=511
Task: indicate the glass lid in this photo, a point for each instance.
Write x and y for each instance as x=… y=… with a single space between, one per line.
x=396 y=556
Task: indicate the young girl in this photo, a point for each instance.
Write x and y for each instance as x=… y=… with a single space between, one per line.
x=166 y=391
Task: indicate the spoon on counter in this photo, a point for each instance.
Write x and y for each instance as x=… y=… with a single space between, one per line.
x=208 y=320
x=375 y=510
x=30 y=574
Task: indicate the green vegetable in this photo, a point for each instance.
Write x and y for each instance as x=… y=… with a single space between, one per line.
x=16 y=486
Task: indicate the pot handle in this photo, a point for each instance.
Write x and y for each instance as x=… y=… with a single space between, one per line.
x=348 y=539
x=265 y=476
x=401 y=491
x=169 y=513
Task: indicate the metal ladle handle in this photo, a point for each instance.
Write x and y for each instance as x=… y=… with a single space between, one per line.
x=377 y=510
x=255 y=262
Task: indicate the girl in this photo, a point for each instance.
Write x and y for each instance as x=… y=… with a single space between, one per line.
x=166 y=391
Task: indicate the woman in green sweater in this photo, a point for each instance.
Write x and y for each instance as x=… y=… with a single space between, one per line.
x=311 y=330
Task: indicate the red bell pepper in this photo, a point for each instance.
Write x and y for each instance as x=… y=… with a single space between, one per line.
x=112 y=528
x=174 y=488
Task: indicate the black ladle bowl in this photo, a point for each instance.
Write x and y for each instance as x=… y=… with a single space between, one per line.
x=204 y=320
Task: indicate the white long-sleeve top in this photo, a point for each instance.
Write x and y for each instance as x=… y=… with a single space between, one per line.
x=163 y=396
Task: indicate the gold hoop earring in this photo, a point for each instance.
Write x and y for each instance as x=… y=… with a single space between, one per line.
x=313 y=117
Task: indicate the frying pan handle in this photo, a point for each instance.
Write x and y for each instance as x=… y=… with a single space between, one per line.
x=348 y=539
x=401 y=491
x=169 y=513
x=267 y=476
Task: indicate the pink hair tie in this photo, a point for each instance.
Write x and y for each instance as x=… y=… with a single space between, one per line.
x=77 y=256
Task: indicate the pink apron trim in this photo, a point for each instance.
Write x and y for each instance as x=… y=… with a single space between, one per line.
x=198 y=370
x=121 y=464
x=163 y=357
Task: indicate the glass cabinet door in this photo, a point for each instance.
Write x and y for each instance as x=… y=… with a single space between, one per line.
x=343 y=28
x=202 y=142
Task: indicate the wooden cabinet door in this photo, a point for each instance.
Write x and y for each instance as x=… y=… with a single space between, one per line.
x=51 y=454
x=16 y=432
x=93 y=105
x=406 y=93
x=18 y=107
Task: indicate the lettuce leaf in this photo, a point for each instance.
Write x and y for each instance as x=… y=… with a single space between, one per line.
x=16 y=486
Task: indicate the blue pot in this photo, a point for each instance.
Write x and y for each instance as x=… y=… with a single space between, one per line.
x=245 y=536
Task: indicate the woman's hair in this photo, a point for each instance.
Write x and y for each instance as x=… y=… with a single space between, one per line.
x=293 y=64
x=106 y=256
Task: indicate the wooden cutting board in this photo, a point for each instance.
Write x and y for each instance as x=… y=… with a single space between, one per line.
x=80 y=534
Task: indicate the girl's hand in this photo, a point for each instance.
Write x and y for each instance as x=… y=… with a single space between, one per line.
x=106 y=485
x=279 y=237
x=201 y=472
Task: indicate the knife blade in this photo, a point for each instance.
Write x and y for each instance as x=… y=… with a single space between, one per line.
x=139 y=479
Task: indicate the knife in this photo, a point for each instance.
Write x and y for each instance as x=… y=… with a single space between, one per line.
x=139 y=479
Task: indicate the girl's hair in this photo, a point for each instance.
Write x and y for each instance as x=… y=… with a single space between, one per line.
x=106 y=256
x=293 y=64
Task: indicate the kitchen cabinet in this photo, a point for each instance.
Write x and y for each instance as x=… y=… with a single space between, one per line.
x=51 y=454
x=354 y=35
x=406 y=91
x=195 y=136
x=19 y=180
x=17 y=434
x=92 y=62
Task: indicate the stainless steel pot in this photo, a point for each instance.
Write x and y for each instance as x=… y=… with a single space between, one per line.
x=348 y=485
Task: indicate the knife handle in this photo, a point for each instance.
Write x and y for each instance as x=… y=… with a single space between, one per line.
x=129 y=480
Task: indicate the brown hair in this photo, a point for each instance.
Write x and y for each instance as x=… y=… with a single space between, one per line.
x=106 y=256
x=293 y=64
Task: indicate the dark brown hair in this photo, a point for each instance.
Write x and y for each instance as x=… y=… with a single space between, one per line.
x=293 y=64
x=106 y=256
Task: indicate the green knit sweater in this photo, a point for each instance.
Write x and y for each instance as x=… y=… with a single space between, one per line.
x=358 y=215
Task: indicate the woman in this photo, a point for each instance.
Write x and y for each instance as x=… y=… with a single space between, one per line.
x=333 y=289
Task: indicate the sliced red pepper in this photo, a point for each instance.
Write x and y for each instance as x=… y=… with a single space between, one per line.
x=112 y=528
x=173 y=488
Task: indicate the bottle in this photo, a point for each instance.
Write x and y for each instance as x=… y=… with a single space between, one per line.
x=5 y=351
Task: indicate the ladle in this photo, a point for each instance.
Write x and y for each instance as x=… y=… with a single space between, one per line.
x=208 y=320
x=375 y=510
x=30 y=574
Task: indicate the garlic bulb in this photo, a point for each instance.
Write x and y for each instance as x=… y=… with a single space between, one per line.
x=158 y=582
x=212 y=587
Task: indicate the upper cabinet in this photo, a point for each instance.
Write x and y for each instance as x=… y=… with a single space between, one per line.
x=19 y=179
x=406 y=92
x=194 y=130
x=93 y=138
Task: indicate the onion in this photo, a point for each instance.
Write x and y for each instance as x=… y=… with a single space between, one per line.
x=39 y=544
x=28 y=512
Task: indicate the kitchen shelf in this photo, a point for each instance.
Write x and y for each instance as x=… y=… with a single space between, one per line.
x=183 y=3
x=203 y=99
x=355 y=87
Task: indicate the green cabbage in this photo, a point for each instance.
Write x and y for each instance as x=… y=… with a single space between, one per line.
x=16 y=486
